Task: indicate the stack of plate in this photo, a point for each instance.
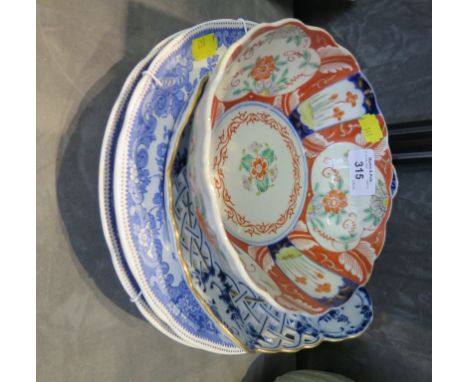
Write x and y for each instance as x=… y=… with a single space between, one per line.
x=262 y=241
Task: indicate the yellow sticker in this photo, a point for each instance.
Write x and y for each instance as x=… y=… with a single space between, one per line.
x=204 y=46
x=370 y=128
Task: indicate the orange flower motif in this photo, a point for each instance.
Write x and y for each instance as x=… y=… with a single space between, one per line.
x=338 y=113
x=301 y=280
x=351 y=98
x=334 y=201
x=259 y=168
x=323 y=288
x=263 y=68
x=333 y=96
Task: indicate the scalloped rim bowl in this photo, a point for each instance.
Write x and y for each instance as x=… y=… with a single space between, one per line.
x=222 y=94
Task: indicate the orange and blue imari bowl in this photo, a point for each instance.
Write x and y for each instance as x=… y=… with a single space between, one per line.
x=289 y=167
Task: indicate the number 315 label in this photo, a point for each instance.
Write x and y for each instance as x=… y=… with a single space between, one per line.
x=361 y=172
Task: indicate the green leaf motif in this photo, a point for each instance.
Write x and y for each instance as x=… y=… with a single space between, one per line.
x=369 y=218
x=340 y=184
x=288 y=253
x=320 y=223
x=269 y=155
x=262 y=185
x=347 y=239
x=283 y=77
x=246 y=161
x=337 y=219
x=298 y=40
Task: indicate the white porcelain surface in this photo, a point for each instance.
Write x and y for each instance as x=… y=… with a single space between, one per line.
x=340 y=227
x=260 y=172
x=249 y=73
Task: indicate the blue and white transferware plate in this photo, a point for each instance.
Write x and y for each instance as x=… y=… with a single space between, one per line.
x=158 y=101
x=258 y=325
x=106 y=201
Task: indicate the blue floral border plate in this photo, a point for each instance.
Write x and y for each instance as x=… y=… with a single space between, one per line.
x=106 y=201
x=158 y=100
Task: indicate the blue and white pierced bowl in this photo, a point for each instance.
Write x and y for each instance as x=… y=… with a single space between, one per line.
x=227 y=296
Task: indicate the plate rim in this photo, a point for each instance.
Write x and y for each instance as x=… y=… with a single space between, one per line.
x=120 y=184
x=109 y=142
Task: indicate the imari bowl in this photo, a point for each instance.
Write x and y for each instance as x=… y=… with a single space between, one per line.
x=289 y=166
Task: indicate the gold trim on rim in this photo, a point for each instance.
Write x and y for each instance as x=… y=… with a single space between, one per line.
x=168 y=178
